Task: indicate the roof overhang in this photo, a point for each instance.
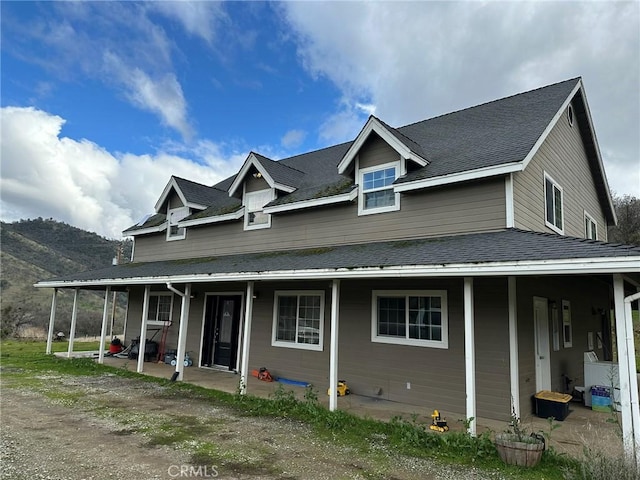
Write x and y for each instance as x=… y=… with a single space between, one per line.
x=213 y=219
x=316 y=202
x=145 y=231
x=464 y=176
x=575 y=266
x=253 y=161
x=173 y=185
x=374 y=125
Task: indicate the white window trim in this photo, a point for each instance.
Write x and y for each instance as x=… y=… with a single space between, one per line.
x=170 y=237
x=247 y=212
x=595 y=225
x=556 y=185
x=161 y=323
x=296 y=345
x=444 y=343
x=566 y=324
x=361 y=191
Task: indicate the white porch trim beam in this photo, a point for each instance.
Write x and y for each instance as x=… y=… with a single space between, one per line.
x=74 y=317
x=184 y=323
x=103 y=331
x=469 y=355
x=52 y=320
x=143 y=328
x=333 y=352
x=246 y=340
x=623 y=365
x=514 y=370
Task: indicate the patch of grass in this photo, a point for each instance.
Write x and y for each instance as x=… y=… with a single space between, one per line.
x=363 y=435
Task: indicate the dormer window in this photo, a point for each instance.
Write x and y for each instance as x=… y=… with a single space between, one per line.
x=174 y=215
x=254 y=202
x=376 y=189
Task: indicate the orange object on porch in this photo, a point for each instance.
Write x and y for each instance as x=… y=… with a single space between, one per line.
x=262 y=374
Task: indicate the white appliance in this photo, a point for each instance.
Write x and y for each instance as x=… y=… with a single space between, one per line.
x=600 y=373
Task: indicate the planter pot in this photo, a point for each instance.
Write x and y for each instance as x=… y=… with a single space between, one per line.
x=514 y=452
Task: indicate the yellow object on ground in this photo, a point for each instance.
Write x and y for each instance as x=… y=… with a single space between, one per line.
x=343 y=389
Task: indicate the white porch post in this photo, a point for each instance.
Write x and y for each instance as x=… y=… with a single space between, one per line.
x=633 y=378
x=182 y=333
x=623 y=365
x=246 y=339
x=333 y=353
x=74 y=316
x=143 y=328
x=103 y=331
x=514 y=370
x=469 y=355
x=52 y=320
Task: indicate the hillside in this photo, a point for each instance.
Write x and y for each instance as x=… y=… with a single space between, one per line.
x=33 y=250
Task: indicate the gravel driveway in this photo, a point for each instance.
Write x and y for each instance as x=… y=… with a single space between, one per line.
x=102 y=427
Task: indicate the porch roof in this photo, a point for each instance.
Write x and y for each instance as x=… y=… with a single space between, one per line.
x=504 y=252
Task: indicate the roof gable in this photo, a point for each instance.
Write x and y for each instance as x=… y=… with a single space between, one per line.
x=406 y=147
x=276 y=174
x=191 y=194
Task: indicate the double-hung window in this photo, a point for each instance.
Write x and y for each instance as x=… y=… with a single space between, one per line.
x=414 y=317
x=298 y=319
x=160 y=308
x=590 y=227
x=554 y=214
x=174 y=216
x=376 y=189
x=254 y=203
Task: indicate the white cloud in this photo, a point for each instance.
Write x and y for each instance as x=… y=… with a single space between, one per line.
x=293 y=138
x=198 y=18
x=415 y=60
x=79 y=182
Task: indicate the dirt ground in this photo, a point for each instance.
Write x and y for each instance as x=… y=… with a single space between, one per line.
x=66 y=427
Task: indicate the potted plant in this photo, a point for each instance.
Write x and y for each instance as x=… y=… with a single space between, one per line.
x=516 y=446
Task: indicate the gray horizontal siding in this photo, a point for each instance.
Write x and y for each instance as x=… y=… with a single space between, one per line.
x=563 y=157
x=460 y=209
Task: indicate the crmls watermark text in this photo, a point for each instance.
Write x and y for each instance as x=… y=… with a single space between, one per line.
x=192 y=471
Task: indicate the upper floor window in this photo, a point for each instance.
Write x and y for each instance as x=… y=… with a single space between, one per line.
x=254 y=216
x=298 y=319
x=376 y=189
x=590 y=227
x=160 y=308
x=174 y=216
x=417 y=317
x=554 y=214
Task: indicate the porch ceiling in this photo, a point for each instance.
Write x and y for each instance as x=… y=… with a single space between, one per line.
x=505 y=252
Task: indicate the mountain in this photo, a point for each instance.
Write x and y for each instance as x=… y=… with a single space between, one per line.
x=33 y=250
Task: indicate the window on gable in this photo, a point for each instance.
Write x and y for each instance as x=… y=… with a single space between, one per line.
x=160 y=308
x=590 y=227
x=554 y=215
x=254 y=203
x=174 y=216
x=376 y=189
x=298 y=320
x=410 y=318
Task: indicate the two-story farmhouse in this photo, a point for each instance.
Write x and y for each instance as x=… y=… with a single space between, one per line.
x=459 y=261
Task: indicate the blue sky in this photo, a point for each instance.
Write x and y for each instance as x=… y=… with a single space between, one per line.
x=103 y=101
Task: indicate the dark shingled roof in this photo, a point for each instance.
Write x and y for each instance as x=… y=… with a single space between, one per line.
x=152 y=221
x=280 y=172
x=510 y=245
x=198 y=193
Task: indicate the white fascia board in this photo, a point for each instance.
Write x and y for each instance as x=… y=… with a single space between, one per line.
x=552 y=123
x=459 y=177
x=316 y=202
x=284 y=188
x=165 y=193
x=214 y=219
x=145 y=231
x=374 y=125
x=576 y=266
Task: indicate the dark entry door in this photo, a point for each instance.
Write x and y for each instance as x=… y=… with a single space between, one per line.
x=221 y=327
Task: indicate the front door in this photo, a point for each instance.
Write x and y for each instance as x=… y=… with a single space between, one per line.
x=221 y=328
x=543 y=356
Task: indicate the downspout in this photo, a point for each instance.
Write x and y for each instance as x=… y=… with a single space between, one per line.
x=182 y=332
